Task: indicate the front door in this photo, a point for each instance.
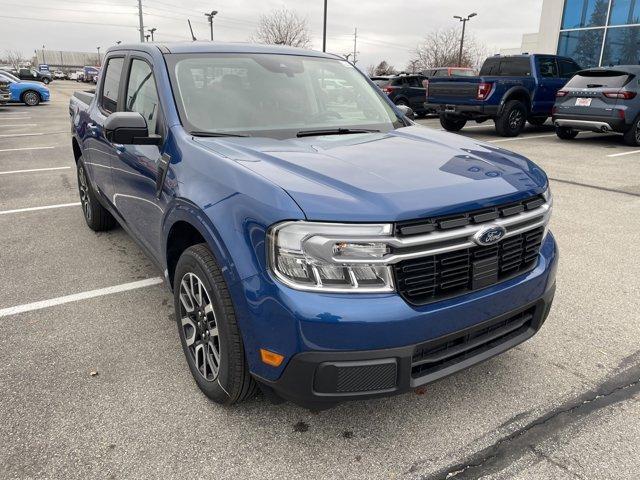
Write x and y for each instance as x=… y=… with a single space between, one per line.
x=136 y=168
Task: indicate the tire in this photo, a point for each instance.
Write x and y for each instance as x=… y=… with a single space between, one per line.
x=632 y=136
x=219 y=342
x=97 y=217
x=31 y=98
x=537 y=121
x=512 y=120
x=452 y=124
x=566 y=133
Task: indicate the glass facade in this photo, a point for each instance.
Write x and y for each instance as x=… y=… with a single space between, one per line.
x=601 y=32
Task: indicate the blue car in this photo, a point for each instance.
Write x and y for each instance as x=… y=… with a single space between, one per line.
x=321 y=248
x=29 y=93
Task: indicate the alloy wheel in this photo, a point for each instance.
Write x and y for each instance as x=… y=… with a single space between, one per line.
x=83 y=187
x=31 y=98
x=516 y=119
x=199 y=326
x=638 y=133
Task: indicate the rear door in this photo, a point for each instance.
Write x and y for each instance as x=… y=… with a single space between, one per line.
x=416 y=93
x=549 y=82
x=100 y=152
x=593 y=93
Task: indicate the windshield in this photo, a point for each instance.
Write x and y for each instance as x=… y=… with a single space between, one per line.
x=274 y=95
x=8 y=77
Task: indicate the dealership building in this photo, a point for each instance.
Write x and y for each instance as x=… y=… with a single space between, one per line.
x=592 y=32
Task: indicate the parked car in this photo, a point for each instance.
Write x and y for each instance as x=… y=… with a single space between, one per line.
x=324 y=251
x=5 y=93
x=449 y=72
x=602 y=100
x=510 y=90
x=34 y=75
x=406 y=90
x=89 y=74
x=29 y=93
x=59 y=75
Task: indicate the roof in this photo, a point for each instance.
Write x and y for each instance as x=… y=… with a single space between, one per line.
x=219 y=47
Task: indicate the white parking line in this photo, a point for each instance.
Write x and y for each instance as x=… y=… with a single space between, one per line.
x=532 y=137
x=76 y=297
x=33 y=209
x=623 y=154
x=12 y=119
x=35 y=170
x=39 y=134
x=19 y=125
x=25 y=148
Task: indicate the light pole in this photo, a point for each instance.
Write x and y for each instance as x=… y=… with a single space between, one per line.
x=464 y=21
x=98 y=48
x=324 y=28
x=151 y=30
x=43 y=59
x=210 y=17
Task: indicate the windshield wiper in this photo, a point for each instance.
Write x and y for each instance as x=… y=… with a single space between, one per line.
x=334 y=131
x=217 y=134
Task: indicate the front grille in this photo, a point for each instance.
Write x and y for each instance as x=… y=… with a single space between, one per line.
x=430 y=358
x=437 y=277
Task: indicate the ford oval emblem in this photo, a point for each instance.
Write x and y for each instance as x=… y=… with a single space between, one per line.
x=490 y=235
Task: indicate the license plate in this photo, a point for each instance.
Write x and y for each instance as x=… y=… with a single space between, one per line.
x=583 y=102
x=450 y=108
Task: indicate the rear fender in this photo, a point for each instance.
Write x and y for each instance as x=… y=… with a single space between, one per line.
x=515 y=93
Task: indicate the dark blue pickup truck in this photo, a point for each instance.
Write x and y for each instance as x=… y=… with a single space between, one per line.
x=321 y=247
x=510 y=90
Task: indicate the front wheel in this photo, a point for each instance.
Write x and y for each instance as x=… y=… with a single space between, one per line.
x=452 y=124
x=566 y=133
x=512 y=120
x=31 y=98
x=208 y=331
x=632 y=136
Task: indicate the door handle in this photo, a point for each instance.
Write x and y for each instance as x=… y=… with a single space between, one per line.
x=163 y=168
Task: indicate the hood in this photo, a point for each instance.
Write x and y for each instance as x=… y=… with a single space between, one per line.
x=407 y=174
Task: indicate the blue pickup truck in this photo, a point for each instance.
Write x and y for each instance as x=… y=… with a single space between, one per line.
x=320 y=248
x=510 y=90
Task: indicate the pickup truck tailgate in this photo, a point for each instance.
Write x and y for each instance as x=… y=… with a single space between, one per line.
x=452 y=90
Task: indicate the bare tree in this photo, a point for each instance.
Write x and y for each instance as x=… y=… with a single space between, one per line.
x=382 y=69
x=14 y=58
x=283 y=27
x=441 y=48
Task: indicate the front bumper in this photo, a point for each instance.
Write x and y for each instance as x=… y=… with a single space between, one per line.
x=321 y=336
x=320 y=380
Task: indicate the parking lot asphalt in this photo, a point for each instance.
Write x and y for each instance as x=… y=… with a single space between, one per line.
x=98 y=387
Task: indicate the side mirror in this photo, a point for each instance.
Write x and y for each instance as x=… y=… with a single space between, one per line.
x=128 y=128
x=407 y=111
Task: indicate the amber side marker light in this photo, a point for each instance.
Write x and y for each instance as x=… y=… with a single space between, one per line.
x=270 y=358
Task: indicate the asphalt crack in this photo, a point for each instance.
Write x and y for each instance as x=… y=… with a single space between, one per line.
x=494 y=458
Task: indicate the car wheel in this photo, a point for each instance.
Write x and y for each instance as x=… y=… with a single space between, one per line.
x=632 y=136
x=46 y=81
x=208 y=330
x=31 y=98
x=452 y=124
x=512 y=120
x=537 y=121
x=566 y=133
x=97 y=217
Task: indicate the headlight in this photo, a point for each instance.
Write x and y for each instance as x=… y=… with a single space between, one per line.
x=330 y=257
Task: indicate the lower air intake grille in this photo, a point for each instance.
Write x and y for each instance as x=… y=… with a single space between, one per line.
x=437 y=277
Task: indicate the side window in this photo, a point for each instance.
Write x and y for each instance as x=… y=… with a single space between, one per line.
x=111 y=84
x=142 y=96
x=415 y=82
x=441 y=73
x=568 y=68
x=547 y=67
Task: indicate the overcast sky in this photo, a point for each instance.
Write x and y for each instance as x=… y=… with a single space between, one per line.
x=387 y=29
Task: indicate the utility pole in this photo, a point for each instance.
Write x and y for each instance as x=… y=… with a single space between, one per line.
x=464 y=25
x=141 y=21
x=43 y=59
x=324 y=29
x=151 y=30
x=210 y=17
x=355 y=46
x=98 y=55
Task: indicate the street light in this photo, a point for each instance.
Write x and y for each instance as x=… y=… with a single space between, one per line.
x=43 y=59
x=151 y=30
x=464 y=24
x=324 y=28
x=210 y=17
x=98 y=48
